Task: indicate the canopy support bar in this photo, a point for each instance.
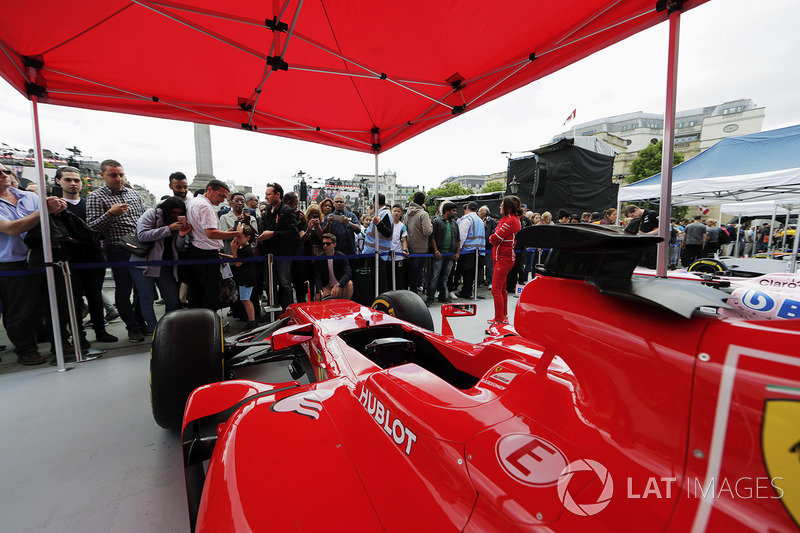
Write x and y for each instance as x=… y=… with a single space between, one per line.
x=377 y=237
x=44 y=222
x=665 y=207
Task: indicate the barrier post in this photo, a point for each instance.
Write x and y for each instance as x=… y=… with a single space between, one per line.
x=477 y=266
x=394 y=267
x=272 y=307
x=377 y=267
x=73 y=318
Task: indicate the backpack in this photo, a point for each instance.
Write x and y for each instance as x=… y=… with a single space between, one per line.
x=724 y=236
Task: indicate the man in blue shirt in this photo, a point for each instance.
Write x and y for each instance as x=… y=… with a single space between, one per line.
x=21 y=296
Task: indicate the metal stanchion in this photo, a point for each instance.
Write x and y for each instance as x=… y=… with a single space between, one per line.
x=477 y=266
x=377 y=267
x=76 y=327
x=394 y=267
x=272 y=309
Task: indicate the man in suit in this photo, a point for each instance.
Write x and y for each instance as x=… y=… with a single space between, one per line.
x=332 y=277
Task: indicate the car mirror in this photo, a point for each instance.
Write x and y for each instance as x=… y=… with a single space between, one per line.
x=292 y=336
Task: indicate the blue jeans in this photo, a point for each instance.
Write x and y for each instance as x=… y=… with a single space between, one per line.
x=530 y=260
x=440 y=271
x=674 y=253
x=147 y=292
x=123 y=286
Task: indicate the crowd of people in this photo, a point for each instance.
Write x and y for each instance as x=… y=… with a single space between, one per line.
x=324 y=251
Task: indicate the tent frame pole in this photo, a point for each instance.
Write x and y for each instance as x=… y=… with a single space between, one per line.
x=793 y=259
x=768 y=251
x=738 y=234
x=377 y=242
x=665 y=207
x=44 y=222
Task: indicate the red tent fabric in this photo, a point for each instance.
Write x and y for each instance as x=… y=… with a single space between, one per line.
x=362 y=75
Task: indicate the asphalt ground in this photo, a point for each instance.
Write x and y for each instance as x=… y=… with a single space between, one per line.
x=82 y=453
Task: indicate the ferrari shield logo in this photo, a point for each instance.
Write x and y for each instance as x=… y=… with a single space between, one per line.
x=780 y=442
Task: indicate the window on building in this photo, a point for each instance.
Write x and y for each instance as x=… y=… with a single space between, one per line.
x=731 y=110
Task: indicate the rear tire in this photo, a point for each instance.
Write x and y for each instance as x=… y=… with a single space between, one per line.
x=707 y=265
x=186 y=353
x=405 y=305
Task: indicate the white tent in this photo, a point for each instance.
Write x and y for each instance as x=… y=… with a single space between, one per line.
x=760 y=166
x=766 y=209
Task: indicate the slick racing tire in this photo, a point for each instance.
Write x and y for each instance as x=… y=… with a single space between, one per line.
x=405 y=305
x=707 y=266
x=186 y=353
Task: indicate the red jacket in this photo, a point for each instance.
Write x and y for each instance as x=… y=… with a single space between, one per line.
x=504 y=238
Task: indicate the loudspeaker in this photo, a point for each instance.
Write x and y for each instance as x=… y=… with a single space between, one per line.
x=539 y=180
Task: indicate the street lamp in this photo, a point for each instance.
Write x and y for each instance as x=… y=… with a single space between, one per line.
x=514 y=185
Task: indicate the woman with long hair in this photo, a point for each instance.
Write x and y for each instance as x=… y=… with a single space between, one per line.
x=609 y=217
x=166 y=227
x=503 y=240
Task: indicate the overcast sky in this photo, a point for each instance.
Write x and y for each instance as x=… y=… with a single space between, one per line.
x=730 y=49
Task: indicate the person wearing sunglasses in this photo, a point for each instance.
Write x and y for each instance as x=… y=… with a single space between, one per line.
x=21 y=296
x=332 y=276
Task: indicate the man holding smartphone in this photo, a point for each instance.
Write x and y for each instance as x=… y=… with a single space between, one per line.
x=114 y=210
x=343 y=225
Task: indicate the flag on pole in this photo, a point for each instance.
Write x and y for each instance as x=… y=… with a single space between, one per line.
x=703 y=209
x=570 y=117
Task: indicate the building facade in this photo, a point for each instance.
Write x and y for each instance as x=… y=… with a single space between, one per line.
x=695 y=129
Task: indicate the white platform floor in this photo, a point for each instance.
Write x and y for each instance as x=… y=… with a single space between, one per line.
x=80 y=452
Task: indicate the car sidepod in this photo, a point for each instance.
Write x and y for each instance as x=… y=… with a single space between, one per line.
x=280 y=463
x=330 y=456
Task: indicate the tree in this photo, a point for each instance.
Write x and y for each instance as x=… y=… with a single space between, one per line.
x=446 y=190
x=450 y=189
x=648 y=162
x=494 y=186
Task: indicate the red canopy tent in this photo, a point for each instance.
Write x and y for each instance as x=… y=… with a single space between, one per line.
x=362 y=75
x=353 y=74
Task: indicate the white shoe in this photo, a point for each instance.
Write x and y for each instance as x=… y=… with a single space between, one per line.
x=453 y=296
x=490 y=287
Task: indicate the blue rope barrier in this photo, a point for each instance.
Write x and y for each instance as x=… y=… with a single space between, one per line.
x=221 y=260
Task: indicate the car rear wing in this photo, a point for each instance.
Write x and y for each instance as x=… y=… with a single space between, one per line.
x=606 y=257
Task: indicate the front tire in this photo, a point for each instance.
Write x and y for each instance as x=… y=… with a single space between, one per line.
x=707 y=265
x=405 y=305
x=186 y=353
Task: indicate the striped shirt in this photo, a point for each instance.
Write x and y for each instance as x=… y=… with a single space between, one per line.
x=113 y=228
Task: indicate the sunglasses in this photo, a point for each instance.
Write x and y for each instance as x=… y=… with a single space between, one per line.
x=7 y=172
x=327 y=243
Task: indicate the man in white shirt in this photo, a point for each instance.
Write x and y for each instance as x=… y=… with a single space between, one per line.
x=206 y=244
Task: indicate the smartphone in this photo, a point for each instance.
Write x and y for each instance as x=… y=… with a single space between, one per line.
x=181 y=219
x=58 y=191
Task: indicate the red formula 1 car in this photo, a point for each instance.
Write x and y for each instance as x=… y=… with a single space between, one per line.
x=611 y=405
